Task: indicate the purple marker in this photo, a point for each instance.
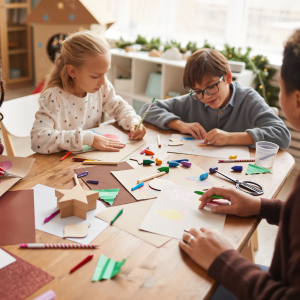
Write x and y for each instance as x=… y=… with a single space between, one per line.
x=82 y=174
x=237 y=168
x=186 y=164
x=92 y=181
x=51 y=216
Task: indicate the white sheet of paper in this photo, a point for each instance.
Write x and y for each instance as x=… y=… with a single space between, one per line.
x=197 y=147
x=176 y=209
x=45 y=203
x=5 y=259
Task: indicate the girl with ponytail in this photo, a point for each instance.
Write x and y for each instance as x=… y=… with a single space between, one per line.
x=74 y=97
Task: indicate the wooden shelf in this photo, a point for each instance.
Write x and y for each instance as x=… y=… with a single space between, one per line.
x=17 y=28
x=17 y=51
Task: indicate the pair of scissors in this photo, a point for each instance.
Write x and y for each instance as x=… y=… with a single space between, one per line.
x=249 y=187
x=5 y=173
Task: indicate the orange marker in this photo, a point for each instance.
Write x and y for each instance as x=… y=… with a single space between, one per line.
x=148 y=152
x=69 y=153
x=158 y=161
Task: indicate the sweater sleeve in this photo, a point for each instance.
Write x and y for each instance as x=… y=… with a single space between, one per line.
x=266 y=126
x=46 y=134
x=114 y=106
x=164 y=111
x=270 y=210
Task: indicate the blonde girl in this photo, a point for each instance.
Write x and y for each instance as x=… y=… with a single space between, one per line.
x=74 y=97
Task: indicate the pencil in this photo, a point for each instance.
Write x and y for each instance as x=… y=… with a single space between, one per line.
x=144 y=116
x=117 y=216
x=59 y=246
x=236 y=160
x=151 y=177
x=87 y=259
x=69 y=153
x=158 y=141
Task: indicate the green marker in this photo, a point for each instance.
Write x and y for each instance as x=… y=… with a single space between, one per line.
x=117 y=216
x=164 y=169
x=213 y=196
x=148 y=162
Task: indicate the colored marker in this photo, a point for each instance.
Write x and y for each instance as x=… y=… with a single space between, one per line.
x=92 y=181
x=82 y=174
x=178 y=160
x=87 y=259
x=237 y=168
x=69 y=153
x=148 y=152
x=158 y=141
x=142 y=152
x=186 y=164
x=144 y=116
x=138 y=186
x=236 y=160
x=117 y=216
x=59 y=246
x=147 y=162
x=213 y=196
x=173 y=164
x=51 y=216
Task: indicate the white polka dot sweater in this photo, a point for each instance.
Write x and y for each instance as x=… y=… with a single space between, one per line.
x=62 y=118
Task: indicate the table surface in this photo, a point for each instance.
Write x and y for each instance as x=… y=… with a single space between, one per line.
x=149 y=272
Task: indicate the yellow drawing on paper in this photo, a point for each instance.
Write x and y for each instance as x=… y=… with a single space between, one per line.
x=172 y=214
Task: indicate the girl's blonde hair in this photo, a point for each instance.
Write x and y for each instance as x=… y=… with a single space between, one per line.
x=76 y=49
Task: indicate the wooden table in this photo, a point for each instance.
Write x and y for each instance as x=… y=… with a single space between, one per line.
x=149 y=272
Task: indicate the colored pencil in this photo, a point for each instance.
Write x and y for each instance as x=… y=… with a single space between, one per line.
x=236 y=160
x=116 y=217
x=144 y=116
x=87 y=259
x=58 y=246
x=151 y=177
x=213 y=196
x=88 y=162
x=158 y=141
x=138 y=186
x=69 y=153
x=51 y=216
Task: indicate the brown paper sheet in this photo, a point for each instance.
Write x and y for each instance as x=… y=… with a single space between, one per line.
x=131 y=219
x=16 y=165
x=21 y=279
x=17 y=223
x=108 y=181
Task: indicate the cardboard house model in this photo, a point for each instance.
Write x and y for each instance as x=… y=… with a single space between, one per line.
x=55 y=19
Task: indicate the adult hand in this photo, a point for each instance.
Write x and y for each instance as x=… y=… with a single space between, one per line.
x=242 y=204
x=105 y=144
x=139 y=134
x=217 y=137
x=204 y=246
x=195 y=129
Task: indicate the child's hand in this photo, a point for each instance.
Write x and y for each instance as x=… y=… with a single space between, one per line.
x=105 y=144
x=217 y=137
x=195 y=129
x=139 y=134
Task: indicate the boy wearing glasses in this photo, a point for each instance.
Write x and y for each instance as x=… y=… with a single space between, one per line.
x=218 y=110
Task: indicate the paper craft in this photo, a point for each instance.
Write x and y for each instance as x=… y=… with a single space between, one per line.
x=175 y=209
x=16 y=165
x=197 y=147
x=76 y=201
x=132 y=217
x=175 y=142
x=21 y=279
x=5 y=259
x=253 y=169
x=76 y=230
x=107 y=268
x=108 y=195
x=108 y=181
x=180 y=175
x=157 y=184
x=17 y=218
x=45 y=204
x=140 y=157
x=111 y=132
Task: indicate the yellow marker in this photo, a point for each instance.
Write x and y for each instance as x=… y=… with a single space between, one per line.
x=233 y=156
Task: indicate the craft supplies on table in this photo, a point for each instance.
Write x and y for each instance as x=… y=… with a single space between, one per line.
x=52 y=216
x=151 y=177
x=138 y=186
x=116 y=217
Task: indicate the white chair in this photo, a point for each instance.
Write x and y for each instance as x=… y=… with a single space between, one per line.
x=19 y=115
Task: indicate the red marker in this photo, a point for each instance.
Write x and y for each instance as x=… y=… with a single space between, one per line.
x=69 y=153
x=87 y=259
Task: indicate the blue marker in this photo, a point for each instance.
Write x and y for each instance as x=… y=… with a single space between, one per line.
x=237 y=168
x=203 y=176
x=138 y=186
x=92 y=181
x=82 y=174
x=178 y=160
x=173 y=164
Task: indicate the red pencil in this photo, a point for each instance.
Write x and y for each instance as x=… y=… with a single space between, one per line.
x=69 y=153
x=82 y=263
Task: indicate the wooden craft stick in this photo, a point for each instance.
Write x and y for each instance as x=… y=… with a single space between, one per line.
x=76 y=179
x=87 y=162
x=151 y=177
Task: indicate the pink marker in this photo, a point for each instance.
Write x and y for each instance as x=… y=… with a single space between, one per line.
x=144 y=150
x=51 y=216
x=50 y=295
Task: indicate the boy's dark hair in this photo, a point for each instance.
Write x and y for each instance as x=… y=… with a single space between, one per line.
x=290 y=70
x=204 y=63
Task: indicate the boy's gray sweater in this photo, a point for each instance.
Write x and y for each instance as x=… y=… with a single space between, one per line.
x=247 y=113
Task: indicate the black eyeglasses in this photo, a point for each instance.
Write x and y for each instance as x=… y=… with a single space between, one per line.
x=210 y=90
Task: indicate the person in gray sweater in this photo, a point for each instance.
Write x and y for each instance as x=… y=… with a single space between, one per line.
x=218 y=110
